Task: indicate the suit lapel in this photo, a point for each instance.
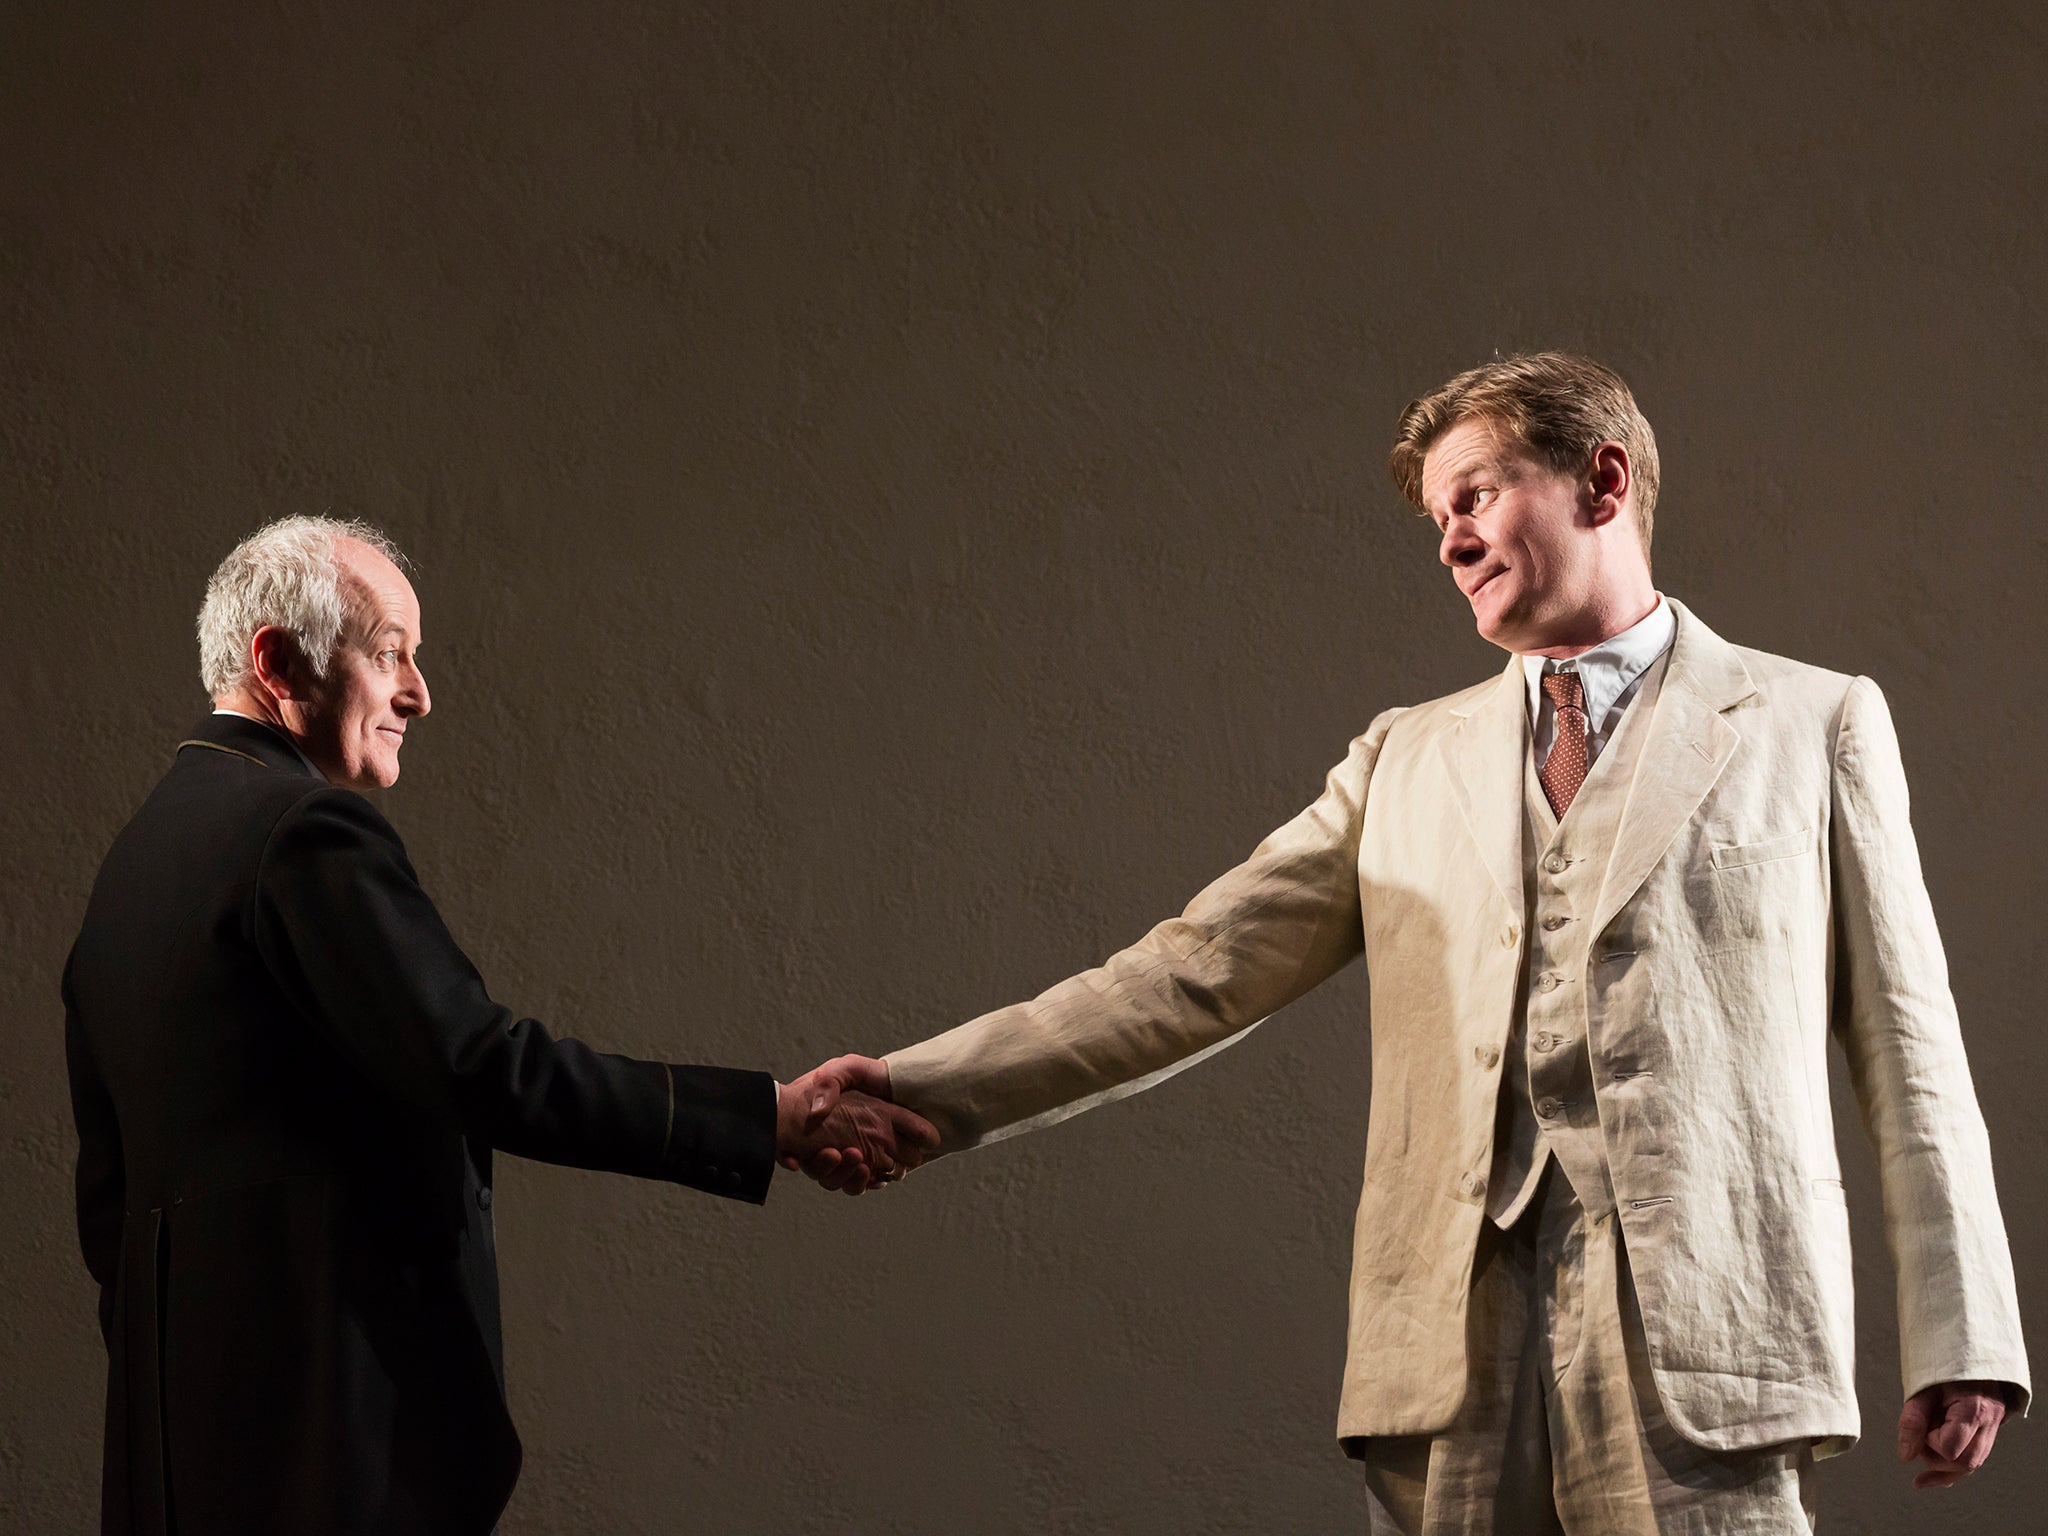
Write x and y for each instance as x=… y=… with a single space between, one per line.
x=1483 y=765
x=1682 y=758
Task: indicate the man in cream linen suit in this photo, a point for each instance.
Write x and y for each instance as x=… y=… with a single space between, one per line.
x=1615 y=902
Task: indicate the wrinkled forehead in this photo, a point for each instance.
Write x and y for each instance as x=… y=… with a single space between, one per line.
x=1477 y=446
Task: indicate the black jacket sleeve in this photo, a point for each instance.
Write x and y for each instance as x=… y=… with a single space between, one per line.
x=341 y=922
x=102 y=1177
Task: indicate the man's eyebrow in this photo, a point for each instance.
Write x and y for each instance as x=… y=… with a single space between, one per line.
x=1483 y=464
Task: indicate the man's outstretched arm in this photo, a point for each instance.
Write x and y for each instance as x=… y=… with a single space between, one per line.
x=347 y=932
x=1249 y=944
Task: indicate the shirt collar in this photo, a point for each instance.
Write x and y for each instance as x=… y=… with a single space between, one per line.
x=1606 y=671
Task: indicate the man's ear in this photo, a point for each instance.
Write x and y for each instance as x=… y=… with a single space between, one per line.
x=276 y=665
x=1607 y=482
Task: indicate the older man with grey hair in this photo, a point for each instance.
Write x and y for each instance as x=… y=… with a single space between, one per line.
x=333 y=673
x=289 y=1083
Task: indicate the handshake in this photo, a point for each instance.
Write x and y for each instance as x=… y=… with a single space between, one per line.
x=839 y=1124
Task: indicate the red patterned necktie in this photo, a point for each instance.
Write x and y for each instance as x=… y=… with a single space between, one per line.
x=1565 y=769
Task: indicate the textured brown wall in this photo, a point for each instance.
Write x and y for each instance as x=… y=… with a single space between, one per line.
x=897 y=490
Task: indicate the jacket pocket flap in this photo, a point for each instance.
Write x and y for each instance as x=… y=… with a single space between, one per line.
x=1734 y=855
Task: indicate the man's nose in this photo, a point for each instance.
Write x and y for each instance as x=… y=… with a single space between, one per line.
x=1461 y=544
x=414 y=698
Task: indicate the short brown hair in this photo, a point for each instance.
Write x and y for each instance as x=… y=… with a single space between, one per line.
x=1558 y=405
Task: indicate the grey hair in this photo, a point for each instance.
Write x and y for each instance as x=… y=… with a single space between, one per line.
x=285 y=574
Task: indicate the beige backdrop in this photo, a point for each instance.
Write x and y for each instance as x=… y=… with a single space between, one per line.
x=898 y=497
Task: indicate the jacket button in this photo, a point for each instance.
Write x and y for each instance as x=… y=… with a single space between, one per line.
x=1472 y=1184
x=1508 y=935
x=1556 y=863
x=1546 y=1040
x=1486 y=1055
x=732 y=1181
x=1554 y=922
x=483 y=1197
x=1549 y=981
x=1549 y=1109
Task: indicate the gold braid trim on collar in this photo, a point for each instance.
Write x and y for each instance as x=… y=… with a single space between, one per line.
x=214 y=746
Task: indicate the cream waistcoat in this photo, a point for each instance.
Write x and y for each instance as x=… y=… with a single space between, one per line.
x=1548 y=1105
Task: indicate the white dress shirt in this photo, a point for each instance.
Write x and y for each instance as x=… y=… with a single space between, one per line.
x=1610 y=674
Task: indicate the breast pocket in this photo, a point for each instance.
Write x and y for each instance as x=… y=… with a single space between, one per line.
x=1788 y=845
x=1757 y=891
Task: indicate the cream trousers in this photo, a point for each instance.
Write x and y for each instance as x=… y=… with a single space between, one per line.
x=1560 y=1430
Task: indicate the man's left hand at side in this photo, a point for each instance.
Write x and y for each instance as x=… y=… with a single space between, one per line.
x=1951 y=1427
x=837 y=1124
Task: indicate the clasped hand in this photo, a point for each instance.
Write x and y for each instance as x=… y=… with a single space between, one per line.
x=838 y=1124
x=1950 y=1426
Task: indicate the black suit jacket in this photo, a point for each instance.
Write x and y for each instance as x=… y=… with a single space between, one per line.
x=288 y=1083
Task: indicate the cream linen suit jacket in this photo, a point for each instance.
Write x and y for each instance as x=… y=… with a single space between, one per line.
x=1763 y=892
